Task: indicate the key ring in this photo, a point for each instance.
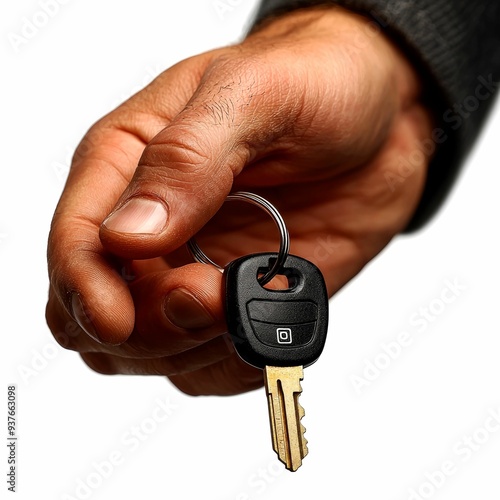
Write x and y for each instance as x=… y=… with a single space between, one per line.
x=260 y=202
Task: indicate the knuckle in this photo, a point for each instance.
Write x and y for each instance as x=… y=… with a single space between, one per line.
x=177 y=145
x=177 y=159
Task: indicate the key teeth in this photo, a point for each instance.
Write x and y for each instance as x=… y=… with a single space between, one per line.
x=301 y=413
x=303 y=439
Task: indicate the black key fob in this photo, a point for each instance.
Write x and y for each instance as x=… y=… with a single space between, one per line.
x=270 y=327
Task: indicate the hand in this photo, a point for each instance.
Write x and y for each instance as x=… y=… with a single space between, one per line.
x=312 y=111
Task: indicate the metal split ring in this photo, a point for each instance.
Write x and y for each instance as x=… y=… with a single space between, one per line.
x=260 y=202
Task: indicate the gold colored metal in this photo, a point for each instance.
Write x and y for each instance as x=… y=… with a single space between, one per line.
x=285 y=412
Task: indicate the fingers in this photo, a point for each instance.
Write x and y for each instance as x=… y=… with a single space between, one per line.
x=179 y=332
x=193 y=359
x=213 y=369
x=176 y=311
x=84 y=277
x=227 y=377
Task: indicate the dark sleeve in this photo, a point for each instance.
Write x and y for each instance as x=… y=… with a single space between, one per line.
x=455 y=45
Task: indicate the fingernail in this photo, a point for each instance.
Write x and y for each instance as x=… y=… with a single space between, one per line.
x=81 y=317
x=186 y=311
x=138 y=216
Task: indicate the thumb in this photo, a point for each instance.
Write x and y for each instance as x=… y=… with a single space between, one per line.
x=187 y=170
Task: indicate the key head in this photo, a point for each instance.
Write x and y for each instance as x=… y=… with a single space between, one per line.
x=276 y=327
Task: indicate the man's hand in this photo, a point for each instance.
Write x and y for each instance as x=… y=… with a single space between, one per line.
x=312 y=111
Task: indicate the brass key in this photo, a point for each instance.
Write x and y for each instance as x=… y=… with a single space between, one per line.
x=285 y=413
x=280 y=331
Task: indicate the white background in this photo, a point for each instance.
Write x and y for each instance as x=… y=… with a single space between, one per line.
x=378 y=444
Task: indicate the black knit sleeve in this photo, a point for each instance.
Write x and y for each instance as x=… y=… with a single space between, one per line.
x=455 y=45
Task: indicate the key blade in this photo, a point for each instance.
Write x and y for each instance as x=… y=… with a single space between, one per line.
x=285 y=412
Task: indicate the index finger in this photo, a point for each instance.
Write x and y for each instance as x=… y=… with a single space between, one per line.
x=84 y=276
x=81 y=272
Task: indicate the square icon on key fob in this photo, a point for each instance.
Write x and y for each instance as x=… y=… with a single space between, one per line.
x=284 y=335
